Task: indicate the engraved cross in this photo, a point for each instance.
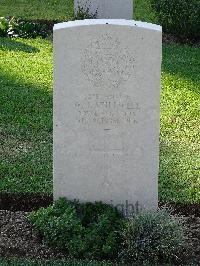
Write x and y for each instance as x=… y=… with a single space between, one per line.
x=106 y=150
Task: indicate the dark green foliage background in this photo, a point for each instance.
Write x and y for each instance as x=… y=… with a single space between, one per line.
x=180 y=17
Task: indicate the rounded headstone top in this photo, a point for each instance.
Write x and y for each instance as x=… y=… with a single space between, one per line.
x=119 y=22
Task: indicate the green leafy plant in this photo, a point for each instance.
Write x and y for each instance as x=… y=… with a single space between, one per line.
x=82 y=230
x=152 y=237
x=23 y=28
x=27 y=29
x=181 y=17
x=4 y=26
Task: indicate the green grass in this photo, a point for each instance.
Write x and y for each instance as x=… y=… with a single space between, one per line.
x=60 y=9
x=26 y=119
x=180 y=124
x=25 y=115
x=37 y=9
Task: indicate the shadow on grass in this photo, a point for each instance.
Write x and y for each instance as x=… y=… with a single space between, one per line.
x=182 y=61
x=25 y=105
x=10 y=44
x=26 y=130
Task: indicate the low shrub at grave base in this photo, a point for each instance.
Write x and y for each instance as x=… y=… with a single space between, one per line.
x=181 y=17
x=152 y=237
x=89 y=230
x=98 y=231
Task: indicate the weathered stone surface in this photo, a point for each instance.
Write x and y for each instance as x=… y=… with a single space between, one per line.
x=107 y=9
x=106 y=111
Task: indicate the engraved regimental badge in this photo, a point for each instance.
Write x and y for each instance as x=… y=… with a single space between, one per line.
x=106 y=63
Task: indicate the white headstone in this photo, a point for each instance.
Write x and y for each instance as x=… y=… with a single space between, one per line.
x=107 y=9
x=106 y=111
